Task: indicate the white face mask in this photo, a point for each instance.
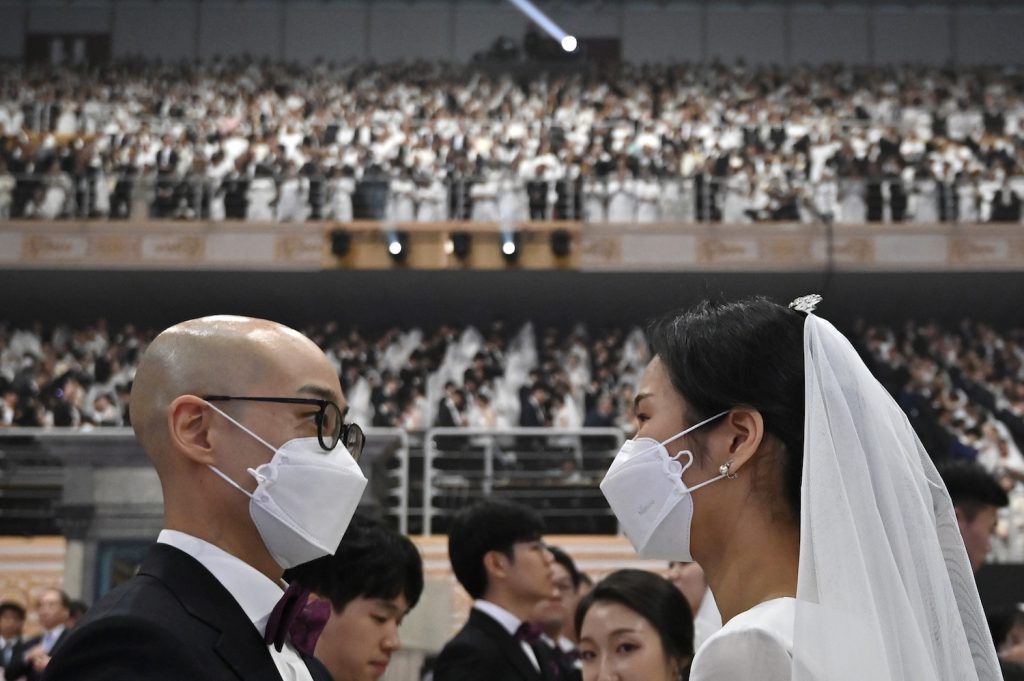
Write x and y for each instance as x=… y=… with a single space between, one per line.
x=304 y=498
x=645 y=488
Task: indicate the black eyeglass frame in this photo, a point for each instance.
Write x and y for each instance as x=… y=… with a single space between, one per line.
x=349 y=433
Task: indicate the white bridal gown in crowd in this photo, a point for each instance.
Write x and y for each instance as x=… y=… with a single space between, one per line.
x=621 y=198
x=853 y=207
x=292 y=202
x=925 y=201
x=401 y=200
x=342 y=188
x=431 y=199
x=261 y=194
x=648 y=195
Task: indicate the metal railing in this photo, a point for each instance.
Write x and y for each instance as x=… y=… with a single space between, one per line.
x=556 y=471
x=34 y=457
x=140 y=197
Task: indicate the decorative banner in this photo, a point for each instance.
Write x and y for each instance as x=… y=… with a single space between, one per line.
x=604 y=247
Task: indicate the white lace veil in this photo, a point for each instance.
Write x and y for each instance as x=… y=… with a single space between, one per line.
x=885 y=590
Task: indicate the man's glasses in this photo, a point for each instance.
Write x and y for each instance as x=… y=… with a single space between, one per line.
x=329 y=427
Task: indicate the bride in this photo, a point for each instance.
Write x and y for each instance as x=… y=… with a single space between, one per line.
x=768 y=453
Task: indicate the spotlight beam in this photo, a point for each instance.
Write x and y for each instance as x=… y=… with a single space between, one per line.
x=545 y=22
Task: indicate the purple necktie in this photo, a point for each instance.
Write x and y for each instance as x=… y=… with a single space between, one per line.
x=284 y=613
x=528 y=632
x=308 y=625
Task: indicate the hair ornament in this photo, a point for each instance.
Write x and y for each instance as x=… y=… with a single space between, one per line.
x=806 y=304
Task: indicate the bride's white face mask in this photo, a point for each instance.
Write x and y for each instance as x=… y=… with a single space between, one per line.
x=645 y=489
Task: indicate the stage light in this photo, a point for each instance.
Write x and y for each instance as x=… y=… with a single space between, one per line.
x=341 y=241
x=550 y=27
x=398 y=246
x=510 y=246
x=460 y=243
x=561 y=241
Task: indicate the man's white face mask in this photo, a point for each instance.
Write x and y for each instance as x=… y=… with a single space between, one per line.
x=645 y=489
x=305 y=497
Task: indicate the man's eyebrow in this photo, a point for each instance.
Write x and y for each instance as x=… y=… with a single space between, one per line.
x=321 y=392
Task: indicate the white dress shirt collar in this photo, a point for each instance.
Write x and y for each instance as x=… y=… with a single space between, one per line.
x=255 y=593
x=507 y=620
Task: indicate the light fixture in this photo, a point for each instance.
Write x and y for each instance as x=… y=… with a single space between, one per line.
x=460 y=243
x=398 y=245
x=569 y=43
x=341 y=242
x=510 y=246
x=561 y=242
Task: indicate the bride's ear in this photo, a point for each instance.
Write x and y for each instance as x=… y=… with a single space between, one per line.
x=743 y=429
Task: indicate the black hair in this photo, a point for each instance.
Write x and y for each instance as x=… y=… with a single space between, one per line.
x=1001 y=620
x=77 y=608
x=566 y=561
x=372 y=561
x=971 y=487
x=656 y=600
x=721 y=355
x=484 y=527
x=65 y=600
x=11 y=606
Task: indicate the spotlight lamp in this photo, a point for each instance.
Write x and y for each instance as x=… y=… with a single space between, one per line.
x=398 y=246
x=561 y=243
x=510 y=243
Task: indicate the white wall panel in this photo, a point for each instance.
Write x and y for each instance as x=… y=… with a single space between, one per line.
x=752 y=33
x=660 y=33
x=237 y=28
x=478 y=26
x=64 y=17
x=986 y=36
x=155 y=29
x=320 y=29
x=919 y=35
x=828 y=34
x=407 y=31
x=12 y=29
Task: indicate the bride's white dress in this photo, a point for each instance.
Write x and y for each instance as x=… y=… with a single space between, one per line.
x=756 y=644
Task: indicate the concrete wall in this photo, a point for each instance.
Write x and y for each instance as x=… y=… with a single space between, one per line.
x=783 y=32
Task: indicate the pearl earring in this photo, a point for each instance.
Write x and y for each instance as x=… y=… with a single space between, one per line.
x=724 y=471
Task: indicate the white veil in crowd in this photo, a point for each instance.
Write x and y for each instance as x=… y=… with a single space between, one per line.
x=885 y=590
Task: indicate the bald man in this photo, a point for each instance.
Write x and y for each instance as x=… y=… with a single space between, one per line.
x=243 y=421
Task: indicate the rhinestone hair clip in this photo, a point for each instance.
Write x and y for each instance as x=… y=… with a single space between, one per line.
x=806 y=304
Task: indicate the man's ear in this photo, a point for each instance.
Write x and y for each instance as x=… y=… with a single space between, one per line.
x=496 y=564
x=189 y=419
x=743 y=428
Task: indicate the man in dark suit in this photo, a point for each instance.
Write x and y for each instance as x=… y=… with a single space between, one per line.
x=498 y=556
x=31 y=657
x=12 y=619
x=223 y=406
x=555 y=617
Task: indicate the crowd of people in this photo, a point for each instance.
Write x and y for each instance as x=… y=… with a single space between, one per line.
x=409 y=379
x=239 y=139
x=963 y=387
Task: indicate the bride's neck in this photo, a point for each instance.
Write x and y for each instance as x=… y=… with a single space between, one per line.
x=759 y=562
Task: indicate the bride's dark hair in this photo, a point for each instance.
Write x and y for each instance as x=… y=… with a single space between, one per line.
x=749 y=353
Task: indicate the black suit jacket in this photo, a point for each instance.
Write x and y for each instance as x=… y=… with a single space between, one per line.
x=484 y=651
x=18 y=667
x=173 y=620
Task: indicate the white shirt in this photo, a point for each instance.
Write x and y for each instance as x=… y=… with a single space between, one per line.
x=756 y=644
x=254 y=592
x=50 y=637
x=509 y=622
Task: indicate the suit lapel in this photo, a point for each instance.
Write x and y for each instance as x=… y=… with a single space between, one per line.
x=507 y=643
x=233 y=635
